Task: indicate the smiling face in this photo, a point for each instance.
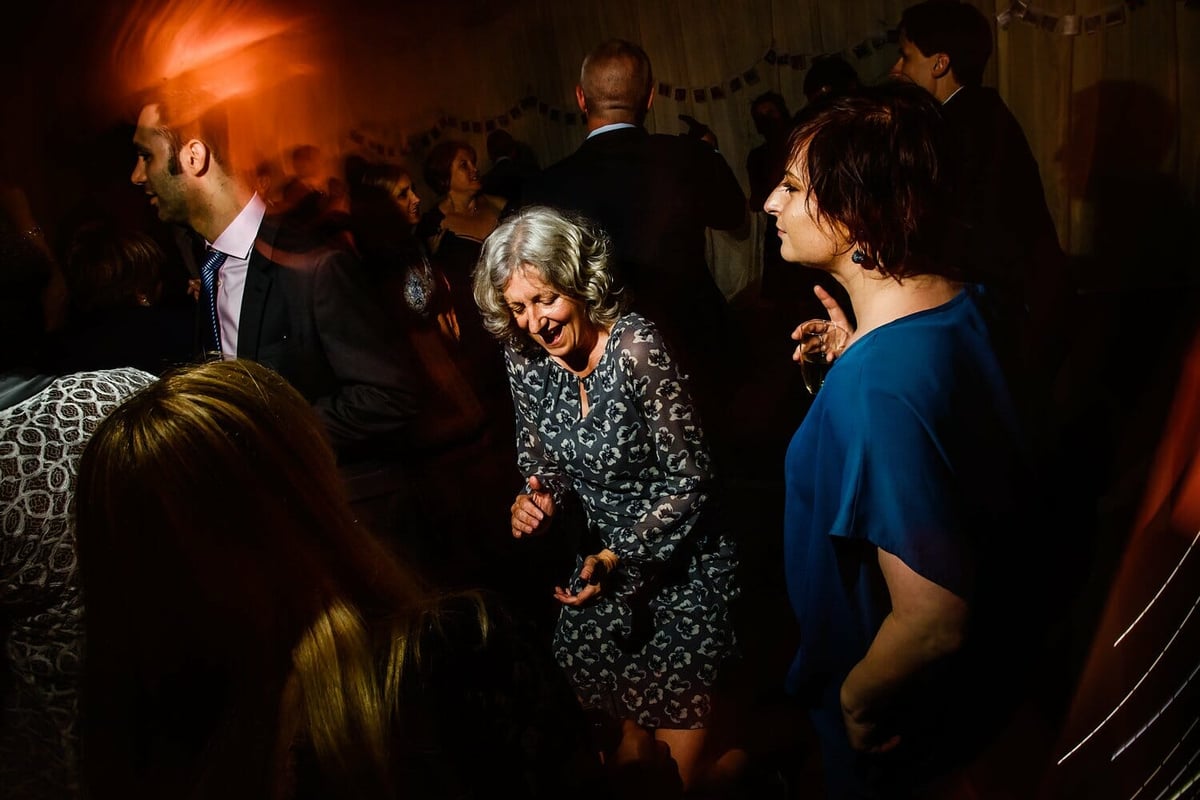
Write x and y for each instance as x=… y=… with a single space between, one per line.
x=805 y=239
x=157 y=168
x=556 y=322
x=464 y=175
x=407 y=200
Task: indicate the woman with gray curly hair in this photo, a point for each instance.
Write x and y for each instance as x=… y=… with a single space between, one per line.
x=605 y=420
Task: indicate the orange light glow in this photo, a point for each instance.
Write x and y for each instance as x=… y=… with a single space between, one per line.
x=271 y=67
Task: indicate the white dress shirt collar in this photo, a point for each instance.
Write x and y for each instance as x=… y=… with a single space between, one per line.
x=611 y=127
x=237 y=239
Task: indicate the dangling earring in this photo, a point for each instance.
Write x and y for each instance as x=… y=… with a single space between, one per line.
x=862 y=259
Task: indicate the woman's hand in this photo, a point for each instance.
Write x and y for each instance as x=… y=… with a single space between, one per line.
x=866 y=737
x=588 y=583
x=533 y=510
x=927 y=624
x=836 y=315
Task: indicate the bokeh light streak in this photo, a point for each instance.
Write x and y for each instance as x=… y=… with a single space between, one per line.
x=1191 y=782
x=1140 y=681
x=1156 y=716
x=1164 y=761
x=1160 y=589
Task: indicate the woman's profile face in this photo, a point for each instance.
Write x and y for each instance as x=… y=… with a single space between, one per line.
x=803 y=239
x=464 y=176
x=407 y=200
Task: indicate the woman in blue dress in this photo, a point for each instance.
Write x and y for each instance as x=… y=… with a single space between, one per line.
x=907 y=483
x=605 y=421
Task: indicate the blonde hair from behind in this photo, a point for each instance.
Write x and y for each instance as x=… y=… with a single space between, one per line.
x=212 y=523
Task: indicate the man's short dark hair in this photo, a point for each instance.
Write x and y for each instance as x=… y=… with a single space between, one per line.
x=873 y=164
x=829 y=74
x=185 y=114
x=775 y=99
x=960 y=30
x=500 y=143
x=616 y=77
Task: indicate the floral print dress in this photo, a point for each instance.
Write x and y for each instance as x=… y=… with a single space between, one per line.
x=650 y=646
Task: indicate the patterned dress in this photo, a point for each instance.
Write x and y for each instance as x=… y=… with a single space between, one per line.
x=41 y=440
x=650 y=646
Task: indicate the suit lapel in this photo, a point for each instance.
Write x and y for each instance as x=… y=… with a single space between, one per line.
x=259 y=276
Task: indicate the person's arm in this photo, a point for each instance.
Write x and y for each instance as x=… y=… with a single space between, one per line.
x=836 y=315
x=546 y=486
x=718 y=188
x=926 y=624
x=653 y=380
x=376 y=389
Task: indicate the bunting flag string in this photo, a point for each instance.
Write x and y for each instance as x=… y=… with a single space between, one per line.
x=1074 y=24
x=388 y=146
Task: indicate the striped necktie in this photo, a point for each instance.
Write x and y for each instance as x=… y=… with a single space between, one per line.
x=208 y=296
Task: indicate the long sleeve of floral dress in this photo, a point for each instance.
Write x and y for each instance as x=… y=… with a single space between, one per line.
x=638 y=462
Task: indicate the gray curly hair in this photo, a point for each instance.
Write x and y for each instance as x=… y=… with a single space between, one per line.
x=568 y=252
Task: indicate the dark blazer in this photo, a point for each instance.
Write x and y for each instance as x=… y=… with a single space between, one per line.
x=1010 y=241
x=654 y=194
x=307 y=313
x=998 y=191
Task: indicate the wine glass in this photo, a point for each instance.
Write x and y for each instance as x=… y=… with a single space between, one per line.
x=821 y=341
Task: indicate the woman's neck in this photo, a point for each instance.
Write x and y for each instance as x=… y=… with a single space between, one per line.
x=583 y=360
x=878 y=300
x=465 y=203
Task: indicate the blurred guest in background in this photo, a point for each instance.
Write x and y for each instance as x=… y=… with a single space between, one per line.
x=311 y=194
x=464 y=215
x=384 y=209
x=45 y=420
x=764 y=168
x=117 y=318
x=454 y=231
x=829 y=75
x=512 y=163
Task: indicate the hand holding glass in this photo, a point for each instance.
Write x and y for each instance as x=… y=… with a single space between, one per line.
x=821 y=341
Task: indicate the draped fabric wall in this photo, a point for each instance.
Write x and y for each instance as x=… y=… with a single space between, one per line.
x=1113 y=116
x=535 y=48
x=1095 y=107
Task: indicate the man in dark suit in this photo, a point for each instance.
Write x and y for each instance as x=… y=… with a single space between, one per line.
x=654 y=194
x=1011 y=243
x=299 y=308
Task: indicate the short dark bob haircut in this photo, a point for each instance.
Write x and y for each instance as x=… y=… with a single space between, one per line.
x=440 y=162
x=873 y=165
